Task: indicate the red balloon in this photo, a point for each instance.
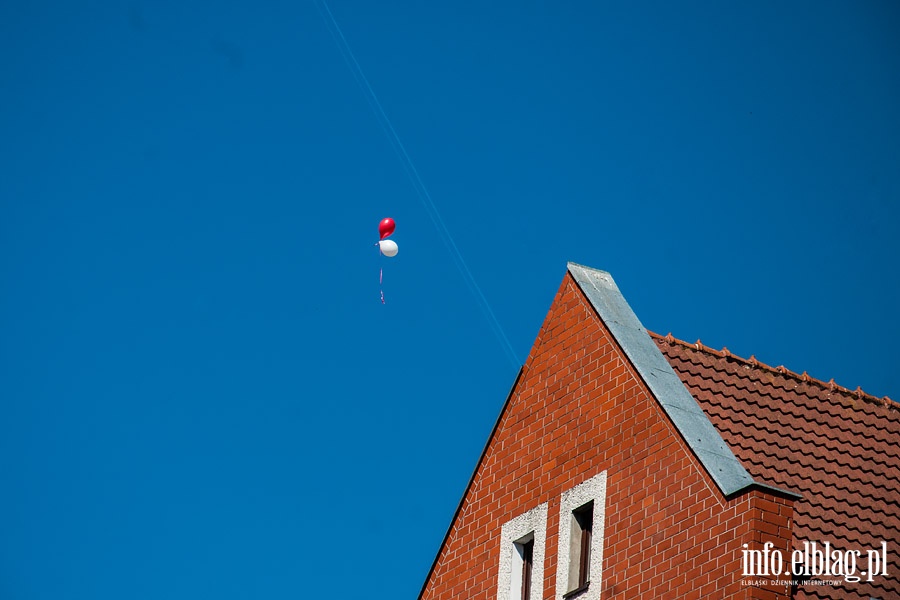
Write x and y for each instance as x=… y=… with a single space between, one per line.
x=386 y=227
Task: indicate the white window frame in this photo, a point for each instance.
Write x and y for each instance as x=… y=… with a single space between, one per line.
x=593 y=489
x=513 y=533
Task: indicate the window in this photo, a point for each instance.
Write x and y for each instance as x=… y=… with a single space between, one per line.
x=582 y=523
x=581 y=514
x=523 y=568
x=521 y=573
x=527 y=550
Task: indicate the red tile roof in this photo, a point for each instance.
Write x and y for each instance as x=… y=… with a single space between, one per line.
x=839 y=449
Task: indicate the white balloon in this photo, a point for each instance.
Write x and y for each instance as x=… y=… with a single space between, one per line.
x=388 y=247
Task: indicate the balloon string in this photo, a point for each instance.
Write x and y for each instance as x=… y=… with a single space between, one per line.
x=380 y=283
x=430 y=207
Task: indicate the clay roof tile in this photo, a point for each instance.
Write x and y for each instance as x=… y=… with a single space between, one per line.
x=838 y=448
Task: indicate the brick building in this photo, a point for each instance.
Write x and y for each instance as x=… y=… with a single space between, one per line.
x=629 y=465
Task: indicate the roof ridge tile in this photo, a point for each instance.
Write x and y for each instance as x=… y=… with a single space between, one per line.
x=884 y=401
x=763 y=399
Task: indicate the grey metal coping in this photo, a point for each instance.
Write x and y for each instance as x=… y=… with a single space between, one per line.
x=681 y=407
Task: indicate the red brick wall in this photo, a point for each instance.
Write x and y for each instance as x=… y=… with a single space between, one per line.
x=579 y=409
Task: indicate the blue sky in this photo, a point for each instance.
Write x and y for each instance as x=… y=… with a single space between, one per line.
x=201 y=393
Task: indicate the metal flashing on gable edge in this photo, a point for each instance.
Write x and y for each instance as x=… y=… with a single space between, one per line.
x=681 y=407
